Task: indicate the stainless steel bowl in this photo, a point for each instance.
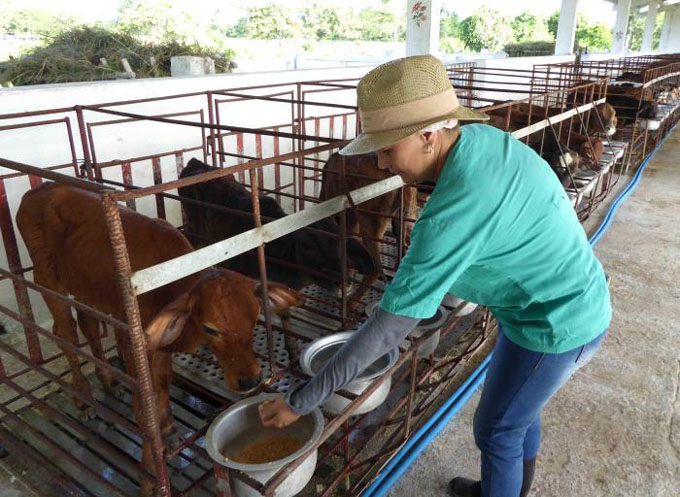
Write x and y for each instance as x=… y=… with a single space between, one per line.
x=240 y=425
x=457 y=304
x=436 y=321
x=317 y=353
x=433 y=323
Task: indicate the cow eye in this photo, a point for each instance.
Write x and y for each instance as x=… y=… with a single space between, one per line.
x=210 y=331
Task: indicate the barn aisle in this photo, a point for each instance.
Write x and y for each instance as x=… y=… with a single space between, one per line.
x=614 y=430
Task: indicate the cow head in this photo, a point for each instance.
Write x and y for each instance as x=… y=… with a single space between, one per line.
x=609 y=120
x=322 y=253
x=220 y=311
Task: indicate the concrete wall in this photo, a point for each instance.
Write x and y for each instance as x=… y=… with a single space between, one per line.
x=670 y=33
x=48 y=145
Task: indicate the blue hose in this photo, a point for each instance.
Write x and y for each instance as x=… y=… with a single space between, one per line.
x=419 y=441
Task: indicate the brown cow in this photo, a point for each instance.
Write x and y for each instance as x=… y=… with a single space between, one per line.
x=65 y=233
x=372 y=228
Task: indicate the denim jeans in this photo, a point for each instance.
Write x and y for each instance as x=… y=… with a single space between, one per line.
x=507 y=424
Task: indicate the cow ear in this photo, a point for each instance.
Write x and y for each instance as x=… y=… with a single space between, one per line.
x=280 y=296
x=168 y=324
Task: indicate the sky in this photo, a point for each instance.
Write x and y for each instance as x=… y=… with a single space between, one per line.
x=89 y=10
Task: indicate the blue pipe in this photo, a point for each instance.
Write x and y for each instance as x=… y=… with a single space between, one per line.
x=419 y=441
x=599 y=233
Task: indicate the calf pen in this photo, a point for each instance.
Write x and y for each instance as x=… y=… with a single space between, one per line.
x=277 y=147
x=97 y=451
x=638 y=87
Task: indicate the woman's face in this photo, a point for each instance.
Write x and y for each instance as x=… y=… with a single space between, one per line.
x=407 y=158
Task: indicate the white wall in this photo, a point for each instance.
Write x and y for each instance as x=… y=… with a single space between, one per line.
x=48 y=145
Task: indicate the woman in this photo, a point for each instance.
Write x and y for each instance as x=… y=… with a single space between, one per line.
x=498 y=230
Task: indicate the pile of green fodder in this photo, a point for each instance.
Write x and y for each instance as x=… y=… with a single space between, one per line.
x=529 y=48
x=76 y=55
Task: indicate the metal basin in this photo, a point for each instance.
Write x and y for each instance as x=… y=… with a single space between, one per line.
x=428 y=346
x=459 y=309
x=240 y=426
x=317 y=353
x=433 y=323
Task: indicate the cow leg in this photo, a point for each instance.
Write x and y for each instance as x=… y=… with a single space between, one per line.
x=290 y=343
x=372 y=231
x=161 y=376
x=161 y=373
x=90 y=328
x=65 y=328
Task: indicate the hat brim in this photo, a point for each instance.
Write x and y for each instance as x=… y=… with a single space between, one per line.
x=371 y=142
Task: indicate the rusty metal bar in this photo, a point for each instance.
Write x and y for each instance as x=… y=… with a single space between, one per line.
x=145 y=391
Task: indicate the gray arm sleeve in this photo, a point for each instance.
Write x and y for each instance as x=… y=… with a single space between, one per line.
x=381 y=333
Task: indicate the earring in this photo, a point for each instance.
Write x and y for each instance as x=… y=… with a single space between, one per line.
x=429 y=149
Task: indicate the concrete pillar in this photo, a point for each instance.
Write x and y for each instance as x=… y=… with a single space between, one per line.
x=566 y=28
x=670 y=32
x=649 y=26
x=422 y=27
x=621 y=26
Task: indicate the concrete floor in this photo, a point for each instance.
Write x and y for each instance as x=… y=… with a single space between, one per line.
x=614 y=429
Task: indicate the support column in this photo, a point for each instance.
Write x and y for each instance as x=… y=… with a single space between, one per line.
x=670 y=32
x=422 y=27
x=621 y=26
x=566 y=28
x=649 y=26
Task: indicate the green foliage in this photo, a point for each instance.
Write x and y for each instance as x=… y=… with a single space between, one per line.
x=636 y=30
x=449 y=24
x=376 y=25
x=486 y=29
x=591 y=37
x=321 y=23
x=75 y=55
x=163 y=21
x=529 y=27
x=33 y=22
x=271 y=22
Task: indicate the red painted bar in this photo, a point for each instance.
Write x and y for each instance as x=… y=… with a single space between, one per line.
x=158 y=180
x=239 y=150
x=9 y=239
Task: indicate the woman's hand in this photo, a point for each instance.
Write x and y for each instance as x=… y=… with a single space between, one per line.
x=276 y=413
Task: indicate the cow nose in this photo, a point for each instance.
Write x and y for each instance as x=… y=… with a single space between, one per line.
x=246 y=384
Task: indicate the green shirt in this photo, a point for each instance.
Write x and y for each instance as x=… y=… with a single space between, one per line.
x=500 y=231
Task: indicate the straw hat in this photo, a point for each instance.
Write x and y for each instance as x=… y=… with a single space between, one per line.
x=402 y=97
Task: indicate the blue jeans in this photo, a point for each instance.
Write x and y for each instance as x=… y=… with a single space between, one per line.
x=507 y=424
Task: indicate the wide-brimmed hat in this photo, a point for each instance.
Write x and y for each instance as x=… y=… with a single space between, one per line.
x=402 y=97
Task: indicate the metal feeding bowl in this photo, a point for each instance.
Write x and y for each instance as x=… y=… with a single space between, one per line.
x=239 y=428
x=457 y=304
x=435 y=322
x=318 y=353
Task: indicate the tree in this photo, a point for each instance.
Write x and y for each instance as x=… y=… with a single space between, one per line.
x=636 y=30
x=322 y=23
x=271 y=22
x=486 y=29
x=158 y=20
x=449 y=24
x=529 y=27
x=34 y=22
x=588 y=36
x=593 y=36
x=376 y=25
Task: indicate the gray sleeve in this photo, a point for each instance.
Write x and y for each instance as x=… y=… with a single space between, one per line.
x=381 y=333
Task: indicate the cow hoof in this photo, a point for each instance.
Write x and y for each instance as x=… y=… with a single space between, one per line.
x=86 y=413
x=172 y=438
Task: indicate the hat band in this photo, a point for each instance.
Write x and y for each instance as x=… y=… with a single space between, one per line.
x=409 y=113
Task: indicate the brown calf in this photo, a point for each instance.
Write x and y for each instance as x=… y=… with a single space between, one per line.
x=65 y=233
x=362 y=170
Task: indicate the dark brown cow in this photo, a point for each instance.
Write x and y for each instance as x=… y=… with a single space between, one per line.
x=65 y=233
x=362 y=170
